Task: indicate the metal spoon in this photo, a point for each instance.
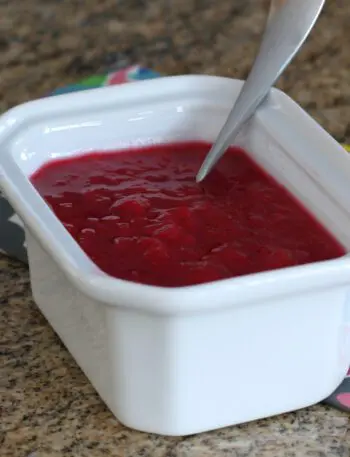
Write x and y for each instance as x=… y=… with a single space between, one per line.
x=289 y=24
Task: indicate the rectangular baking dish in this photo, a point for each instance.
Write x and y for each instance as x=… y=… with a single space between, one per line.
x=185 y=360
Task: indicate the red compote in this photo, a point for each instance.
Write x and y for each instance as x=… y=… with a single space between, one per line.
x=139 y=215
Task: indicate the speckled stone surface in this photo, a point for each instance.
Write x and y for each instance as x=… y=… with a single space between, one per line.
x=47 y=407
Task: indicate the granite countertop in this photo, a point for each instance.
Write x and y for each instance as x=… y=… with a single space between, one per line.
x=48 y=408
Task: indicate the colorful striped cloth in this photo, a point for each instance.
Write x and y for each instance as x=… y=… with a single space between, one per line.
x=12 y=240
x=127 y=75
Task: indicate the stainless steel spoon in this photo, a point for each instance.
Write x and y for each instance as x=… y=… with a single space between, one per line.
x=289 y=24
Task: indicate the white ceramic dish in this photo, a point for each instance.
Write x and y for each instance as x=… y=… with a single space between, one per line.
x=185 y=360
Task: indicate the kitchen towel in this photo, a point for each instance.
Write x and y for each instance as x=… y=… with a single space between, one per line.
x=12 y=238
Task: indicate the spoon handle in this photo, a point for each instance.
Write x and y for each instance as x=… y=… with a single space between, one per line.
x=274 y=7
x=286 y=31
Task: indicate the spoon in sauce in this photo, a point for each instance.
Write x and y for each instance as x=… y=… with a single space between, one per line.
x=288 y=26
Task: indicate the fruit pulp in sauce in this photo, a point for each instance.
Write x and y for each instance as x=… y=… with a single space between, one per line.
x=140 y=215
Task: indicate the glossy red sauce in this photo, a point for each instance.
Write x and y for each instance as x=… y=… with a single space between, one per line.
x=139 y=215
